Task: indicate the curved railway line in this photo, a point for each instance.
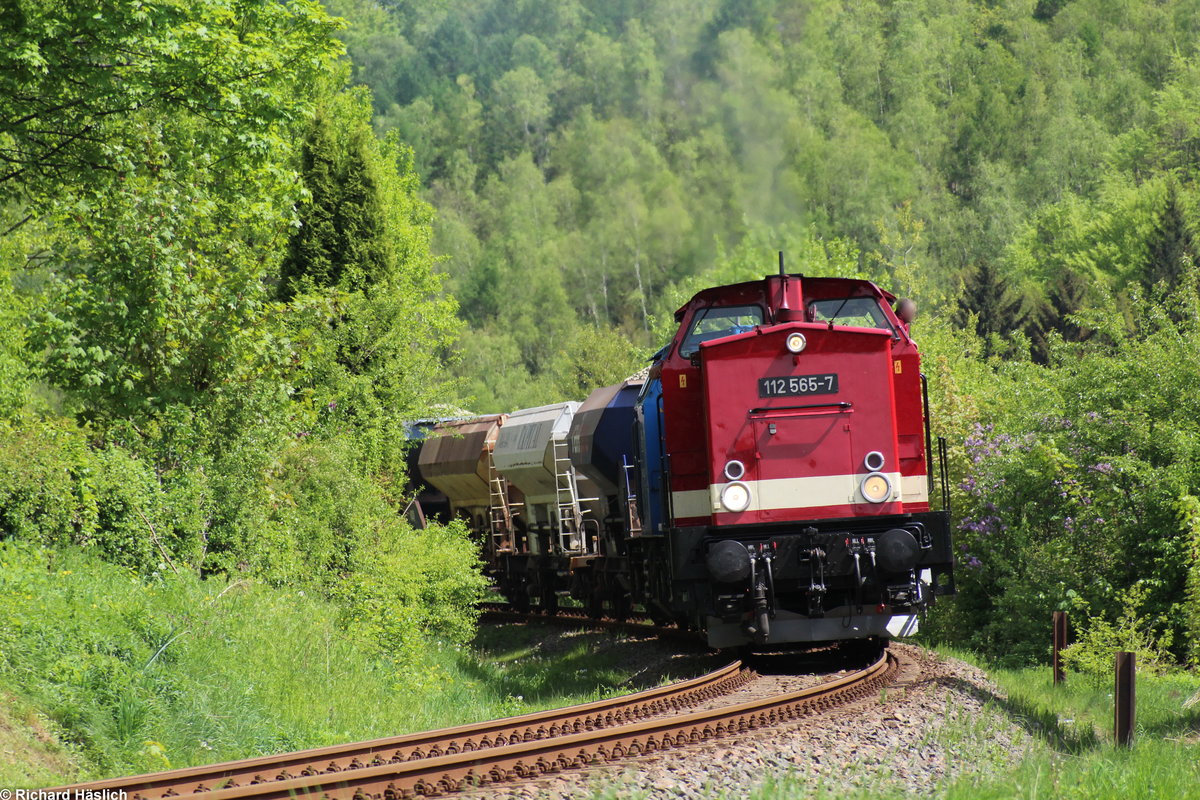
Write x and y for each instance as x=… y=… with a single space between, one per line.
x=444 y=761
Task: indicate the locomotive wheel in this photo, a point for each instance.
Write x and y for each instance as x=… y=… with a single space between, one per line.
x=622 y=606
x=520 y=599
x=867 y=649
x=595 y=604
x=549 y=602
x=658 y=616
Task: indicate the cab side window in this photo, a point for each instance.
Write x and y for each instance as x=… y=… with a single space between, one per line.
x=717 y=323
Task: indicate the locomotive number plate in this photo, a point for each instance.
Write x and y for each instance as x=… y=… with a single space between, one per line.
x=798 y=385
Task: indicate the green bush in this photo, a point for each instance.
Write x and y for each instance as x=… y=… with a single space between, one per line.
x=412 y=585
x=1097 y=638
x=55 y=489
x=1189 y=512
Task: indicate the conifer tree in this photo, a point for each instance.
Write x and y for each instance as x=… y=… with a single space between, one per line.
x=358 y=219
x=361 y=261
x=996 y=306
x=1068 y=295
x=341 y=238
x=1170 y=243
x=313 y=252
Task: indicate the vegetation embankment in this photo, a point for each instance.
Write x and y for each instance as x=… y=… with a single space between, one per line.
x=120 y=674
x=218 y=310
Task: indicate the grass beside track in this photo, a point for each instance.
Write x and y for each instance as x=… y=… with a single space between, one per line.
x=105 y=674
x=1073 y=754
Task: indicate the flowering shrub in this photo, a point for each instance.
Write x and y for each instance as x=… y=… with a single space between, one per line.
x=1086 y=489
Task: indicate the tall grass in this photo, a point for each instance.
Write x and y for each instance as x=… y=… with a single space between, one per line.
x=138 y=675
x=1076 y=758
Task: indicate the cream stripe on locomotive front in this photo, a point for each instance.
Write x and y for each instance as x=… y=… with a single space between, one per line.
x=914 y=488
x=812 y=492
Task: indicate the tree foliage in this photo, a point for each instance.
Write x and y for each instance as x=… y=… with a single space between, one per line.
x=161 y=403
x=605 y=153
x=73 y=76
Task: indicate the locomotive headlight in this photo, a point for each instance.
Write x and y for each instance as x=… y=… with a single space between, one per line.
x=735 y=497
x=873 y=461
x=734 y=470
x=876 y=487
x=795 y=342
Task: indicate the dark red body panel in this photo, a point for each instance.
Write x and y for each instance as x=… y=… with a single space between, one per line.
x=812 y=463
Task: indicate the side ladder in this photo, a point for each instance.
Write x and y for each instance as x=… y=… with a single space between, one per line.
x=571 y=537
x=500 y=512
x=633 y=519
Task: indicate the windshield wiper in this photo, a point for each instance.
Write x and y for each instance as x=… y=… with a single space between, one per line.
x=839 y=310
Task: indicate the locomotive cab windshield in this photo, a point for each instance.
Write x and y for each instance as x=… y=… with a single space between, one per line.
x=857 y=312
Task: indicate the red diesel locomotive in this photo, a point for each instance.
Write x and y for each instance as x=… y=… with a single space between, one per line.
x=788 y=426
x=768 y=482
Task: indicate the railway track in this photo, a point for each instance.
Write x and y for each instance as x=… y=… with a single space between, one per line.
x=444 y=761
x=636 y=623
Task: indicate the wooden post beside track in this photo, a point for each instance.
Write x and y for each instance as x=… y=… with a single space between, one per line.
x=1060 y=642
x=1125 y=698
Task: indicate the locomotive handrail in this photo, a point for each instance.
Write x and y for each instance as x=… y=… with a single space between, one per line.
x=842 y=406
x=928 y=431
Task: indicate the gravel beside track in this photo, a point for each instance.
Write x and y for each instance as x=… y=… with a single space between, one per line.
x=898 y=740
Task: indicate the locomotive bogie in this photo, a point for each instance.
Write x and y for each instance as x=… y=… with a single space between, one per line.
x=858 y=572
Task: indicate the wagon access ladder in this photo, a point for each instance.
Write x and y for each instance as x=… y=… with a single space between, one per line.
x=571 y=537
x=500 y=513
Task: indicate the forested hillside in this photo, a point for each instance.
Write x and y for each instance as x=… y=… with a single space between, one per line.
x=1026 y=170
x=1015 y=160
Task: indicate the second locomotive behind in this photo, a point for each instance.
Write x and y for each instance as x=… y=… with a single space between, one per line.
x=768 y=481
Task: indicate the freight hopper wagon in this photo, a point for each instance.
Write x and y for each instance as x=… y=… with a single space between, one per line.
x=557 y=522
x=602 y=448
x=509 y=479
x=456 y=460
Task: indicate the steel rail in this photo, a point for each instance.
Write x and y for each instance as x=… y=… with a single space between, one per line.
x=431 y=744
